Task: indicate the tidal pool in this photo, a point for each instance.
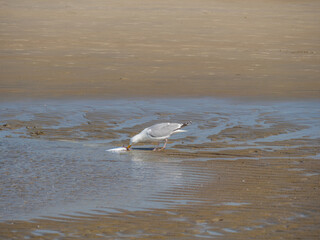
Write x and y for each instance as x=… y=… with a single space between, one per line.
x=235 y=156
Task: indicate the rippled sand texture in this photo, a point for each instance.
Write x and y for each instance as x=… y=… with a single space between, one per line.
x=242 y=171
x=136 y=48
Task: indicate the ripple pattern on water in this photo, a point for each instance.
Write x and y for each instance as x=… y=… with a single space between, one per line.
x=53 y=157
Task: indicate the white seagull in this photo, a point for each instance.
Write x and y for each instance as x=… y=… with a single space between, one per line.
x=157 y=133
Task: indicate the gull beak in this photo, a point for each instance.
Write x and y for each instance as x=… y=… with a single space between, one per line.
x=128 y=148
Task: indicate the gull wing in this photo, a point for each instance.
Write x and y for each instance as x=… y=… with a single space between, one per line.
x=163 y=130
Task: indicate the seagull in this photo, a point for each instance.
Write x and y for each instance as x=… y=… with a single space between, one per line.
x=157 y=133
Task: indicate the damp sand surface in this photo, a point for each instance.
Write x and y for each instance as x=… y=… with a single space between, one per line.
x=250 y=48
x=244 y=170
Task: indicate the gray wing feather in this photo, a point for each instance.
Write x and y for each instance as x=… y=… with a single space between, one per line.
x=163 y=129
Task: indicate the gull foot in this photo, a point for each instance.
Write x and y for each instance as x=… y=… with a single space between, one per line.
x=158 y=149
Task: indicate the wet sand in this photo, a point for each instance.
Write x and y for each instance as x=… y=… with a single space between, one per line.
x=242 y=171
x=112 y=49
x=245 y=169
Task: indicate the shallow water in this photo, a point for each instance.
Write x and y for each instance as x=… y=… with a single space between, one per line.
x=54 y=163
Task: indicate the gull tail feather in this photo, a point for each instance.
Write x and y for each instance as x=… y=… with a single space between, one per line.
x=180 y=130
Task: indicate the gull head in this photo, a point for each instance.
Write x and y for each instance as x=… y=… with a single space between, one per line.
x=135 y=139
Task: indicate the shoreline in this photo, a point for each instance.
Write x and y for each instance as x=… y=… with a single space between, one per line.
x=133 y=97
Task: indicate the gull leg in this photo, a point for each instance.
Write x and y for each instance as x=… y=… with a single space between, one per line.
x=165 y=144
x=162 y=148
x=156 y=148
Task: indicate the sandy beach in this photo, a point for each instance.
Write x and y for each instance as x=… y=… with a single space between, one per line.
x=109 y=49
x=80 y=77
